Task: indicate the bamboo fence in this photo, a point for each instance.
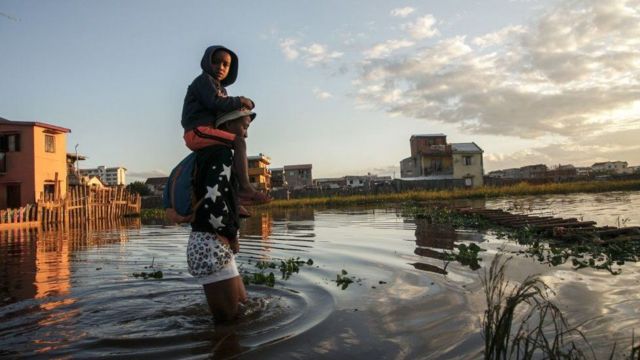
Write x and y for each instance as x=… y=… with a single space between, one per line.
x=81 y=205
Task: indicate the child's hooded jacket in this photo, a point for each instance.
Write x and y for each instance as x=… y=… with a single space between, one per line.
x=206 y=97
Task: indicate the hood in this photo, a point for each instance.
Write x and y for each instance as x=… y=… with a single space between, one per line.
x=205 y=64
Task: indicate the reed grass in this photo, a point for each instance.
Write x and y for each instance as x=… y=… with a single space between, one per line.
x=519 y=189
x=521 y=322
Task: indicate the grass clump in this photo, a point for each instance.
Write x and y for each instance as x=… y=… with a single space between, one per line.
x=522 y=188
x=521 y=322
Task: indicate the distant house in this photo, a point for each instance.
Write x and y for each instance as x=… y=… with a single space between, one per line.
x=277 y=178
x=330 y=183
x=156 y=184
x=298 y=176
x=612 y=167
x=112 y=176
x=259 y=173
x=433 y=158
x=498 y=174
x=93 y=182
x=538 y=171
x=563 y=172
x=584 y=171
x=512 y=173
x=33 y=161
x=73 y=176
x=467 y=163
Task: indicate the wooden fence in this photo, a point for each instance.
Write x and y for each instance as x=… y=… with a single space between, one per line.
x=80 y=205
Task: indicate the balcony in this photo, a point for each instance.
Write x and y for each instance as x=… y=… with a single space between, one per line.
x=435 y=150
x=259 y=172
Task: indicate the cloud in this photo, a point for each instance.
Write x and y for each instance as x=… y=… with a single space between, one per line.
x=386 y=48
x=498 y=37
x=312 y=54
x=422 y=28
x=322 y=95
x=318 y=54
x=402 y=12
x=287 y=47
x=572 y=72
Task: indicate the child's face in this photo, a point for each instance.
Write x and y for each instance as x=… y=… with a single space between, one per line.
x=240 y=126
x=220 y=62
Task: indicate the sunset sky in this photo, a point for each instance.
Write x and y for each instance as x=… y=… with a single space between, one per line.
x=338 y=84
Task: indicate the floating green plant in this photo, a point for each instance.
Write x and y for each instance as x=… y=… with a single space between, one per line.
x=343 y=280
x=149 y=275
x=287 y=267
x=466 y=255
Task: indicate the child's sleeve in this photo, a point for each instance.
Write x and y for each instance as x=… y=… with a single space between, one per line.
x=214 y=98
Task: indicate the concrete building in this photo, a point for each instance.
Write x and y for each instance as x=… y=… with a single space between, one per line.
x=467 y=163
x=512 y=173
x=538 y=171
x=612 y=167
x=277 y=178
x=498 y=174
x=432 y=157
x=259 y=173
x=156 y=184
x=112 y=176
x=330 y=183
x=33 y=161
x=298 y=176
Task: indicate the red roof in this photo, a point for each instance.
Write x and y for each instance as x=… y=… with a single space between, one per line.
x=34 y=123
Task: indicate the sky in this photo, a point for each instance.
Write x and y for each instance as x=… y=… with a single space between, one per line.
x=341 y=85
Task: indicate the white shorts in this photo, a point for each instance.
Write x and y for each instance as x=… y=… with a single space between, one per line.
x=208 y=259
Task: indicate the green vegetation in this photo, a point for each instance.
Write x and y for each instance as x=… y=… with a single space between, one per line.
x=138 y=187
x=287 y=267
x=343 y=280
x=584 y=249
x=467 y=255
x=149 y=275
x=466 y=193
x=521 y=322
x=152 y=216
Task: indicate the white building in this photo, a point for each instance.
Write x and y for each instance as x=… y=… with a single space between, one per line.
x=617 y=167
x=112 y=176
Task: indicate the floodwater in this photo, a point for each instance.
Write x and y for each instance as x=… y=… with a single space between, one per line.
x=73 y=294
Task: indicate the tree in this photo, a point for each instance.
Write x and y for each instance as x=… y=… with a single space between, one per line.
x=138 y=187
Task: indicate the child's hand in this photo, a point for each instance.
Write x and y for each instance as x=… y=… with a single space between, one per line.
x=246 y=102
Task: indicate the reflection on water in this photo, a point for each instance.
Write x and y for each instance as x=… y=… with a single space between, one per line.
x=72 y=294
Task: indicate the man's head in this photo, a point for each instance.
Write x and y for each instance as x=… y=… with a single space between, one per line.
x=220 y=63
x=236 y=122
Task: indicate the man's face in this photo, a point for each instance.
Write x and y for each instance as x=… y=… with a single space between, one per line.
x=240 y=126
x=220 y=62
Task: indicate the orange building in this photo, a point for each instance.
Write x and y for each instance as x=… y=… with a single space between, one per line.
x=33 y=160
x=259 y=174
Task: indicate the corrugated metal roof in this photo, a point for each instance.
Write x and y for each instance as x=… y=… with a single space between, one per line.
x=297 y=167
x=428 y=135
x=430 y=177
x=465 y=147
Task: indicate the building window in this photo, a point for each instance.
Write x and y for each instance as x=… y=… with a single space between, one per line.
x=9 y=142
x=49 y=143
x=467 y=160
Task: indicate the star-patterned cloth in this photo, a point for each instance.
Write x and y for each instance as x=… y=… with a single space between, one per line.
x=216 y=184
